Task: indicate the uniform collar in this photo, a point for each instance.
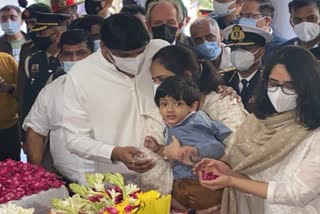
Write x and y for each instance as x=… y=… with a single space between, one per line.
x=248 y=78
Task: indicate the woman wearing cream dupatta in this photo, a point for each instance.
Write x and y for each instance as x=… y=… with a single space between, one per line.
x=276 y=151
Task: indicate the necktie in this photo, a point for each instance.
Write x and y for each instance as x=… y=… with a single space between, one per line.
x=244 y=86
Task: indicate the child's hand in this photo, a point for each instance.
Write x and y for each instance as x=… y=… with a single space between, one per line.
x=151 y=143
x=173 y=151
x=190 y=155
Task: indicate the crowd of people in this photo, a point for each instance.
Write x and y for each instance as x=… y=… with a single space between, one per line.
x=225 y=120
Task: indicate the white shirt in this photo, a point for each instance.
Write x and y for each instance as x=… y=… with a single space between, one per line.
x=103 y=108
x=46 y=115
x=248 y=79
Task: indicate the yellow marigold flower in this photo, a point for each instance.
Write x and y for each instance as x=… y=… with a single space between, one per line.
x=148 y=197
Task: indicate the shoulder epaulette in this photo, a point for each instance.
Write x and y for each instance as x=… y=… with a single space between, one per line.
x=227 y=70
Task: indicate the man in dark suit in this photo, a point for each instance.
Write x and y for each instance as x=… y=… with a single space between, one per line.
x=247 y=50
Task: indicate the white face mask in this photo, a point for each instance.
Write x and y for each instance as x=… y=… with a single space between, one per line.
x=242 y=60
x=67 y=65
x=282 y=102
x=129 y=64
x=307 y=31
x=222 y=9
x=96 y=45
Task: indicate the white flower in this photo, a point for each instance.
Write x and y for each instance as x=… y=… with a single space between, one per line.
x=14 y=209
x=131 y=188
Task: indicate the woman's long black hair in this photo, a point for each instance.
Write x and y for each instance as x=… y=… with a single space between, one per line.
x=304 y=70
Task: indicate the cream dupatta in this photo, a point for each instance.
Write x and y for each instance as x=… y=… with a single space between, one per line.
x=259 y=144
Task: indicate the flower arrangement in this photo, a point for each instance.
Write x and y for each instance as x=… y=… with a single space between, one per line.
x=121 y=199
x=18 y=179
x=14 y=209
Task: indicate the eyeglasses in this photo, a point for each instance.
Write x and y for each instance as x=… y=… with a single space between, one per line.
x=286 y=88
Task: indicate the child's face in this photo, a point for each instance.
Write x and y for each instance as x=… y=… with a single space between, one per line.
x=174 y=111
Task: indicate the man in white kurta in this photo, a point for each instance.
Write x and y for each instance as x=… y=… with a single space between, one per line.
x=46 y=114
x=104 y=106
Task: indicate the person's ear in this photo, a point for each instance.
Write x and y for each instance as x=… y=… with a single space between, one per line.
x=268 y=20
x=149 y=27
x=194 y=106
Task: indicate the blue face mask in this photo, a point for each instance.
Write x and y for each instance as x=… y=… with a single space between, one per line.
x=96 y=45
x=11 y=27
x=67 y=65
x=249 y=22
x=210 y=50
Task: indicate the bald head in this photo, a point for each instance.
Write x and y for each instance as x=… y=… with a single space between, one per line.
x=205 y=29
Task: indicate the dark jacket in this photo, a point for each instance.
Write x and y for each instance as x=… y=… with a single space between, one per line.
x=27 y=49
x=5 y=46
x=232 y=79
x=272 y=47
x=39 y=70
x=316 y=52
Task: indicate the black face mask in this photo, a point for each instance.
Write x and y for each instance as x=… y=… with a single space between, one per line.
x=165 y=32
x=92 y=7
x=42 y=43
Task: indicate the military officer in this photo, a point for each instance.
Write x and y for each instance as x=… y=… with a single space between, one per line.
x=27 y=49
x=67 y=7
x=41 y=65
x=247 y=50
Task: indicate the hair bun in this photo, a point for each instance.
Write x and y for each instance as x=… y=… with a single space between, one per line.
x=23 y=3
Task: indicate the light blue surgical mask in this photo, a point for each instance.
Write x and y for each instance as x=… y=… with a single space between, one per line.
x=210 y=50
x=11 y=27
x=96 y=45
x=67 y=65
x=249 y=21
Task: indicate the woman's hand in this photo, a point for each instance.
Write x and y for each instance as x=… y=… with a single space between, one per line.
x=225 y=91
x=221 y=174
x=220 y=182
x=210 y=164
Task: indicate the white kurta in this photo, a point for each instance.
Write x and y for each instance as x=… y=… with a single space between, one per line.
x=294 y=183
x=46 y=115
x=103 y=108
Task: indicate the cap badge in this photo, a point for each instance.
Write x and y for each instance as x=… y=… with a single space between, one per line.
x=237 y=34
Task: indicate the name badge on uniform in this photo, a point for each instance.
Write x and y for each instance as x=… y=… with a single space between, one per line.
x=35 y=68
